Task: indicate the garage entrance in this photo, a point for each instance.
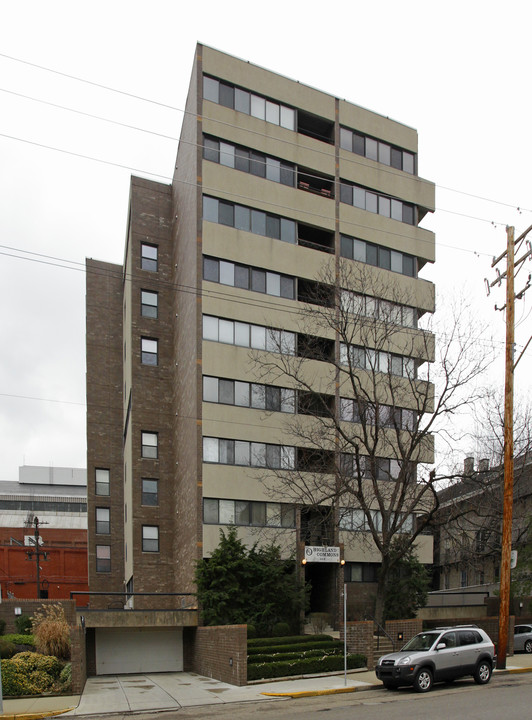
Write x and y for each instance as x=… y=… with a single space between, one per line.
x=138 y=650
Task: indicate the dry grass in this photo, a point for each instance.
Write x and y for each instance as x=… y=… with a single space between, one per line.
x=51 y=631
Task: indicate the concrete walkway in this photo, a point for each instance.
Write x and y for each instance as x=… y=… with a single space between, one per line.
x=170 y=691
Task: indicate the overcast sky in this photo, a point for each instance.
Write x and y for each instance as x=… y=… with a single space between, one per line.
x=459 y=72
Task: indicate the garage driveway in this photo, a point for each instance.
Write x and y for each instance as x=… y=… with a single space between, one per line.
x=159 y=691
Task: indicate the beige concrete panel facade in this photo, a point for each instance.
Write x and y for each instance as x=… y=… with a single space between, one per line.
x=239 y=423
x=238 y=483
x=359 y=547
x=264 y=82
x=286 y=539
x=267 y=195
x=387 y=232
x=377 y=126
x=273 y=140
x=387 y=180
x=267 y=253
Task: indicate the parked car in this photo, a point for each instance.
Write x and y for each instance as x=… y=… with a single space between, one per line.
x=523 y=638
x=443 y=654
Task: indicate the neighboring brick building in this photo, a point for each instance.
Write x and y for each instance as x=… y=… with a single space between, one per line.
x=180 y=425
x=57 y=497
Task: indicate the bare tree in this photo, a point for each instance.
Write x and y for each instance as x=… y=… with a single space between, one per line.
x=373 y=383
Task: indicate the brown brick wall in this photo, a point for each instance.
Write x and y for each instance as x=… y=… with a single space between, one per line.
x=360 y=639
x=406 y=628
x=217 y=652
x=78 y=658
x=28 y=607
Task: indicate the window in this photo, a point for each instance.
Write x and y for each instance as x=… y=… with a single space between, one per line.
x=103 y=521
x=150 y=445
x=148 y=257
x=101 y=481
x=246 y=102
x=244 y=218
x=247 y=512
x=150 y=538
x=150 y=492
x=365 y=358
x=250 y=161
x=376 y=150
x=103 y=558
x=228 y=273
x=246 y=335
x=149 y=351
x=383 y=310
x=242 y=452
x=244 y=394
x=361 y=572
x=371 y=254
x=148 y=303
x=375 y=203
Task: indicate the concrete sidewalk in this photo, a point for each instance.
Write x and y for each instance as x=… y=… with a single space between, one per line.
x=170 y=691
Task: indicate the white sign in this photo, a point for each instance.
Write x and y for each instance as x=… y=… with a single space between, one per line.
x=513 y=559
x=318 y=553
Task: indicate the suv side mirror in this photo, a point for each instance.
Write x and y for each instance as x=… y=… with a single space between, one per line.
x=441 y=646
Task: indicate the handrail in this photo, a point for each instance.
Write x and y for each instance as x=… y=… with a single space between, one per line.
x=382 y=629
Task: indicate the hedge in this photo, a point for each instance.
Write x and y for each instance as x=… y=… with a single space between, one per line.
x=279 y=657
x=29 y=673
x=19 y=639
x=299 y=639
x=304 y=667
x=296 y=647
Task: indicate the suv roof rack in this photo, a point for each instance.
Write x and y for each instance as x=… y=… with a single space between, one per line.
x=448 y=627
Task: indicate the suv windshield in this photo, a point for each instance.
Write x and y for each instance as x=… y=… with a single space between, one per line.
x=423 y=641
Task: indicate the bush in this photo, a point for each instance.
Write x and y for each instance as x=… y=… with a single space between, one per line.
x=65 y=678
x=251 y=631
x=299 y=639
x=304 y=667
x=281 y=629
x=51 y=631
x=7 y=648
x=35 y=662
x=2 y=626
x=319 y=621
x=29 y=673
x=23 y=624
x=279 y=657
x=13 y=679
x=27 y=640
x=297 y=647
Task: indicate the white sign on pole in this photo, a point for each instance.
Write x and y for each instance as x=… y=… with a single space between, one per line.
x=513 y=559
x=323 y=554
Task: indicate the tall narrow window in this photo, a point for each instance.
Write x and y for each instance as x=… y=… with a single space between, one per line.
x=150 y=445
x=101 y=481
x=150 y=492
x=149 y=351
x=148 y=303
x=150 y=538
x=103 y=558
x=148 y=257
x=103 y=521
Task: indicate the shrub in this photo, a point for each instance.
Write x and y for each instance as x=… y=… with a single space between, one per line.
x=51 y=631
x=281 y=629
x=251 y=631
x=35 y=662
x=13 y=679
x=7 y=648
x=305 y=666
x=296 y=647
x=299 y=639
x=23 y=624
x=65 y=678
x=26 y=640
x=2 y=626
x=319 y=621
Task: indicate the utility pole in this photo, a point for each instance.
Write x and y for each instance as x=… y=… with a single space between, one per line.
x=38 y=555
x=506 y=545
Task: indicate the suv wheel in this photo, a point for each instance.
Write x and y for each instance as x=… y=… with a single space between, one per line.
x=528 y=646
x=423 y=681
x=482 y=673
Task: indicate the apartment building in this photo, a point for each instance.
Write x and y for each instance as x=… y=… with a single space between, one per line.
x=275 y=184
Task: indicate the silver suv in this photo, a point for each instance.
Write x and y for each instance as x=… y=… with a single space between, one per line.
x=443 y=654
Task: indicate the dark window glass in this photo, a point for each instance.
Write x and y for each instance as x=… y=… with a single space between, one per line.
x=103 y=558
x=371 y=254
x=226 y=214
x=227 y=95
x=226 y=392
x=346 y=194
x=211 y=269
x=287 y=174
x=287 y=287
x=211 y=150
x=227 y=452
x=242 y=101
x=242 y=159
x=257 y=165
x=346 y=247
x=258 y=222
x=210 y=510
x=385 y=258
x=258 y=510
x=273 y=456
x=397 y=157
x=408 y=214
x=242 y=277
x=359 y=144
x=408 y=266
x=273 y=227
x=258 y=280
x=150 y=495
x=273 y=398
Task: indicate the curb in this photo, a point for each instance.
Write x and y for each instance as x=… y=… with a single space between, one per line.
x=315 y=693
x=34 y=716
